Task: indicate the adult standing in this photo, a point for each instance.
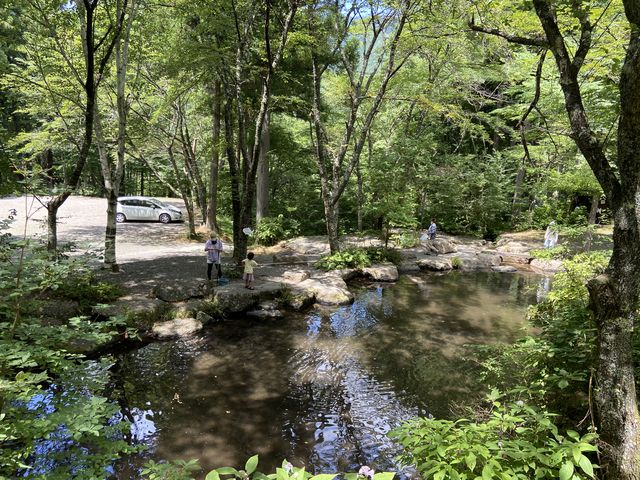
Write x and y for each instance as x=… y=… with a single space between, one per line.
x=214 y=248
x=551 y=235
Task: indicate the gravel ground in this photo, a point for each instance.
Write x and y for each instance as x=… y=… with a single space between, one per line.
x=149 y=253
x=83 y=219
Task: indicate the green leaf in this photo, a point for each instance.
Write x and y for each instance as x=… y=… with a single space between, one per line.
x=227 y=471
x=487 y=472
x=212 y=475
x=566 y=471
x=585 y=465
x=251 y=465
x=470 y=460
x=323 y=476
x=384 y=476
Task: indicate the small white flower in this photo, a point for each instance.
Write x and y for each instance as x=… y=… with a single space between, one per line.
x=287 y=467
x=366 y=472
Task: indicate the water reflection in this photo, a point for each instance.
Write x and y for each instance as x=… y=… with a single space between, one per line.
x=321 y=389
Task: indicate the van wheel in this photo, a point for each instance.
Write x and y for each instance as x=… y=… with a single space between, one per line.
x=165 y=218
x=120 y=218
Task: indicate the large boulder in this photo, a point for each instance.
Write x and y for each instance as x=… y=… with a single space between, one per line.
x=314 y=245
x=300 y=298
x=180 y=327
x=435 y=264
x=233 y=300
x=381 y=273
x=328 y=290
x=439 y=246
x=408 y=267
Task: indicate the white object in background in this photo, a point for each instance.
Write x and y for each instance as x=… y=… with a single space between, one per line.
x=247 y=231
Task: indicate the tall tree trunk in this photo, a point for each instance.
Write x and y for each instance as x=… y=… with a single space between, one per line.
x=615 y=296
x=214 y=166
x=234 y=173
x=262 y=188
x=614 y=301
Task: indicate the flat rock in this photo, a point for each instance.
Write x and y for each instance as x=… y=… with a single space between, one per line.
x=408 y=267
x=381 y=273
x=178 y=292
x=180 y=327
x=289 y=257
x=264 y=314
x=504 y=269
x=435 y=264
x=295 y=276
x=546 y=266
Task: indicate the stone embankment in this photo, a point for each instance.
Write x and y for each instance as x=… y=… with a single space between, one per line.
x=288 y=280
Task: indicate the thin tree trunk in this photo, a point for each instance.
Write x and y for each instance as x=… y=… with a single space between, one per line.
x=262 y=187
x=214 y=166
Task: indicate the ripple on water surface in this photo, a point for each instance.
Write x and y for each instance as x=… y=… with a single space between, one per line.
x=321 y=389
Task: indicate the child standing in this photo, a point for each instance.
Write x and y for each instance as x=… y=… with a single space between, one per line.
x=249 y=263
x=213 y=247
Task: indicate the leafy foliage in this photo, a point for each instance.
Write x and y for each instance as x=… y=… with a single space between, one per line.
x=55 y=419
x=552 y=368
x=513 y=441
x=182 y=470
x=358 y=258
x=271 y=230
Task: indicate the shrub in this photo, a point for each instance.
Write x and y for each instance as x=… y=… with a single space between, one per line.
x=554 y=367
x=559 y=252
x=456 y=262
x=381 y=255
x=405 y=239
x=358 y=258
x=271 y=230
x=514 y=441
x=349 y=258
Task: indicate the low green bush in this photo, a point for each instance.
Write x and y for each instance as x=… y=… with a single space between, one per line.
x=513 y=441
x=349 y=258
x=559 y=252
x=270 y=230
x=358 y=258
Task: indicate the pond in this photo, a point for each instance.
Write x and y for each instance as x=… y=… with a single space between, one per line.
x=321 y=389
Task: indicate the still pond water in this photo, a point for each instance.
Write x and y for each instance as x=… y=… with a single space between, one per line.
x=320 y=389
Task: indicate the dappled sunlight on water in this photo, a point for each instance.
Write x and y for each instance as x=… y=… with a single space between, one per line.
x=321 y=389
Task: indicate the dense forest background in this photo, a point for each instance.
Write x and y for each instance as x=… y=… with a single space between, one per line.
x=415 y=120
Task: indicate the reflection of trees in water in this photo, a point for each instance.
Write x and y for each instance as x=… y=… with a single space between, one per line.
x=322 y=390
